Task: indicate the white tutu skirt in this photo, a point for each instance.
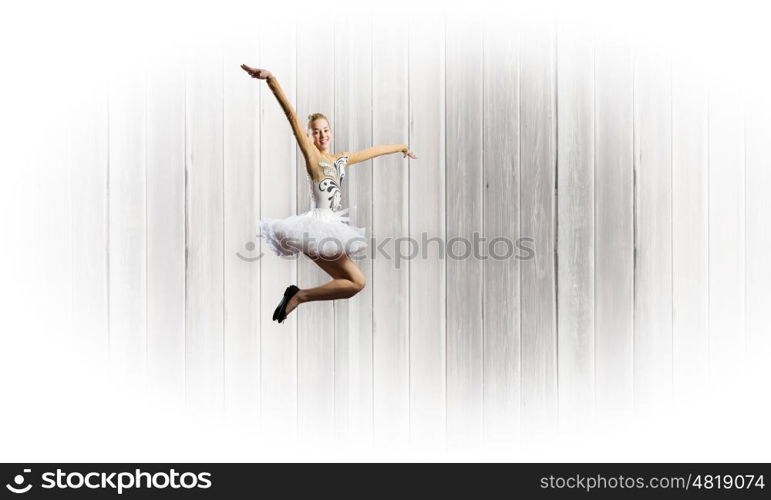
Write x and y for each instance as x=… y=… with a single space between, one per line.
x=316 y=232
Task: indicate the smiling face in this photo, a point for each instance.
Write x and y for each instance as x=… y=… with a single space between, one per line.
x=321 y=133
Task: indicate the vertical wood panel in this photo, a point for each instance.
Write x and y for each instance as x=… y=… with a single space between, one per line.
x=166 y=227
x=127 y=226
x=575 y=224
x=52 y=244
x=689 y=231
x=613 y=222
x=353 y=317
x=537 y=219
x=390 y=197
x=88 y=143
x=726 y=231
x=427 y=222
x=204 y=229
x=502 y=312
x=653 y=227
x=242 y=211
x=316 y=320
x=758 y=209
x=279 y=171
x=38 y=360
x=463 y=97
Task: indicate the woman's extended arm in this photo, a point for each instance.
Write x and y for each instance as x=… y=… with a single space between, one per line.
x=369 y=153
x=302 y=139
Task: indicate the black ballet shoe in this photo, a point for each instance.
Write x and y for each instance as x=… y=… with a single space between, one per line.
x=280 y=313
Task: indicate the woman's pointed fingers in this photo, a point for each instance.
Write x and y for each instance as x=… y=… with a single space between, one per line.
x=254 y=72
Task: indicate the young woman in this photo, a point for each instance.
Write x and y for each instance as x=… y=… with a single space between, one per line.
x=322 y=233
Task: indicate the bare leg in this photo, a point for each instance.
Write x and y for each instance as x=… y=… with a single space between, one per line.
x=347 y=281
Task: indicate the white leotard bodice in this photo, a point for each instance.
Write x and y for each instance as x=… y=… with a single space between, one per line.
x=326 y=194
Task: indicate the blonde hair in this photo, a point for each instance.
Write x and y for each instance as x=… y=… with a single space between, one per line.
x=316 y=116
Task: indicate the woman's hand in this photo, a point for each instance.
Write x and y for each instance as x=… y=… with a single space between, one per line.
x=410 y=154
x=261 y=74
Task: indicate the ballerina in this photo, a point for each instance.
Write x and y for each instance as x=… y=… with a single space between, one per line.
x=323 y=233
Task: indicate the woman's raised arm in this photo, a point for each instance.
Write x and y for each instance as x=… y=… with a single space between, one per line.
x=385 y=149
x=302 y=139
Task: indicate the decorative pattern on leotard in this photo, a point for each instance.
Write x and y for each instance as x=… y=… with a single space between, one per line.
x=340 y=166
x=331 y=184
x=332 y=192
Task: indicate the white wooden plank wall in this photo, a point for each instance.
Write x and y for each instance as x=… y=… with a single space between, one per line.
x=575 y=224
x=316 y=320
x=390 y=209
x=613 y=225
x=653 y=231
x=726 y=250
x=166 y=208
x=353 y=130
x=537 y=216
x=640 y=177
x=427 y=183
x=690 y=293
x=758 y=233
x=53 y=223
x=127 y=235
x=278 y=173
x=463 y=146
x=241 y=186
x=501 y=176
x=204 y=310
x=88 y=160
